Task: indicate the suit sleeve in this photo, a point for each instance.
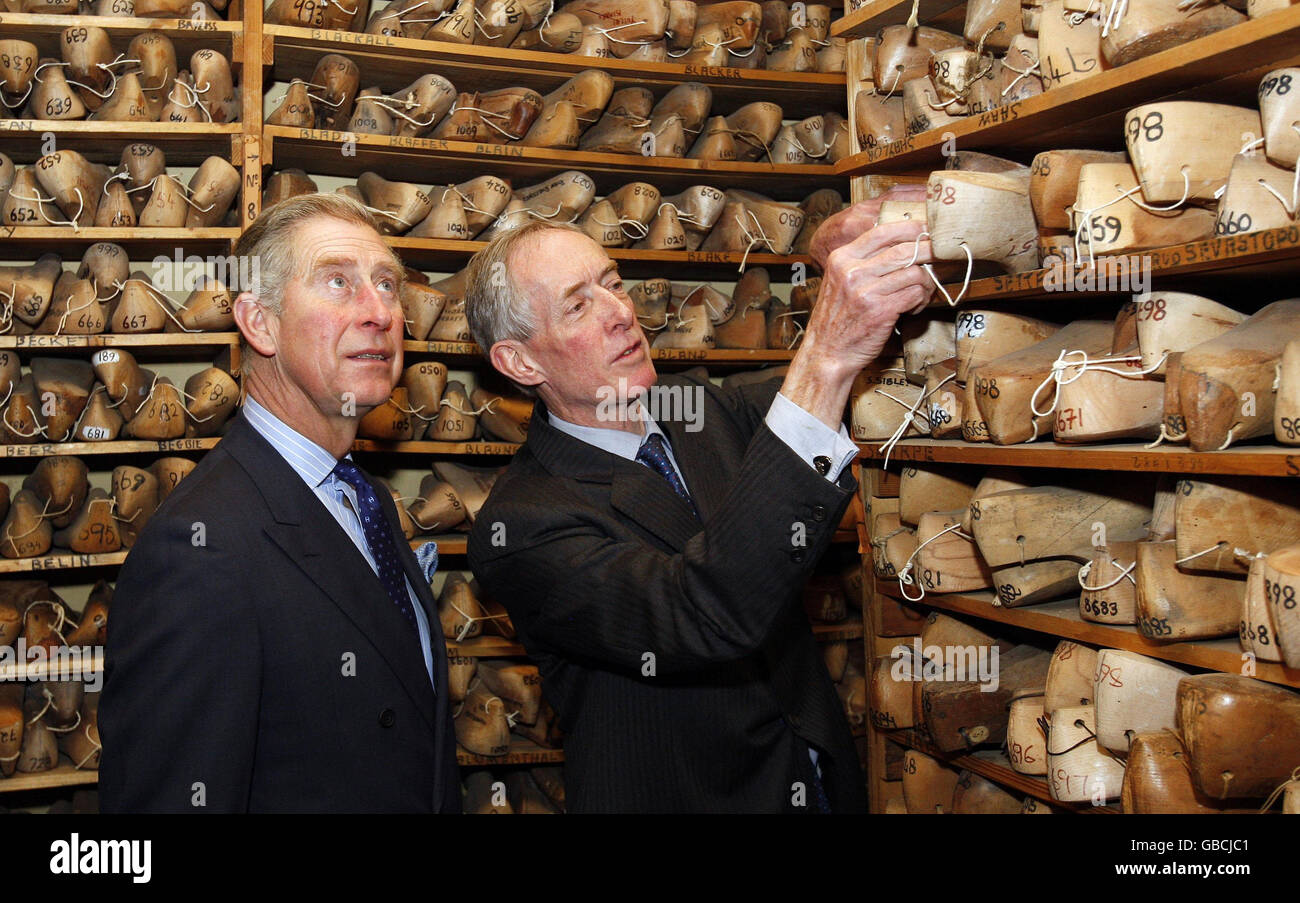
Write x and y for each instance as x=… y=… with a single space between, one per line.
x=179 y=711
x=575 y=590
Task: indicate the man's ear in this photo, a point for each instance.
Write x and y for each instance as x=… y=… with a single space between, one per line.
x=512 y=359
x=255 y=322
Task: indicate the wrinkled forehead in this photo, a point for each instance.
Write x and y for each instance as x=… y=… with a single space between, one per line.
x=329 y=242
x=549 y=265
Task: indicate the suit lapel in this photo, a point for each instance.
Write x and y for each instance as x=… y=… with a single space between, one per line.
x=635 y=491
x=314 y=543
x=699 y=464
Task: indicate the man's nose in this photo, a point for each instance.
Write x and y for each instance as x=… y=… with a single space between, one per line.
x=378 y=309
x=615 y=312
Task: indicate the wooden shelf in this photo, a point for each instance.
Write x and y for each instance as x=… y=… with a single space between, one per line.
x=1224 y=67
x=1252 y=460
x=469 y=353
x=41 y=670
x=319 y=152
x=183 y=143
x=522 y=752
x=62 y=775
x=60 y=560
x=393 y=63
x=119 y=340
x=1062 y=619
x=21 y=242
x=448 y=544
x=486 y=647
x=124 y=447
x=485 y=449
x=994 y=765
x=848 y=629
x=444 y=256
x=44 y=30
x=1267 y=253
x=876 y=14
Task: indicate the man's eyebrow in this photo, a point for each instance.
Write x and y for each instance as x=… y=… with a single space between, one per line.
x=611 y=267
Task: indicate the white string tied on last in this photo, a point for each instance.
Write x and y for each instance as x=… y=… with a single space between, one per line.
x=606 y=33
x=1165 y=435
x=1021 y=73
x=753 y=239
x=632 y=228
x=1294 y=206
x=1113 y=16
x=1152 y=208
x=1085 y=220
x=797 y=325
x=1124 y=573
x=40 y=203
x=898 y=73
x=1059 y=377
x=965 y=284
x=905 y=575
x=910 y=418
x=682 y=217
x=1076 y=18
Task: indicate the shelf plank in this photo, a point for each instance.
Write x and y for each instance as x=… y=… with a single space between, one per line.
x=1235 y=58
x=61 y=559
x=185 y=143
x=393 y=63
x=485 y=449
x=62 y=775
x=522 y=752
x=42 y=670
x=719 y=356
x=118 y=340
x=1250 y=460
x=994 y=765
x=876 y=14
x=448 y=544
x=444 y=255
x=1227 y=258
x=20 y=242
x=319 y=152
x=486 y=647
x=124 y=447
x=1062 y=619
x=849 y=629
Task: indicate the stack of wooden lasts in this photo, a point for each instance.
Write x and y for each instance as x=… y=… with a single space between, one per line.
x=771 y=35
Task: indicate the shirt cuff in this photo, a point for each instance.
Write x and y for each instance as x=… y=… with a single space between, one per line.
x=809 y=438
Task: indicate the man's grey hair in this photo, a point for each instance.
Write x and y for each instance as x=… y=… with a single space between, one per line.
x=494 y=305
x=271 y=240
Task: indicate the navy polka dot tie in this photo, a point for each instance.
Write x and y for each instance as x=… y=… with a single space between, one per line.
x=654 y=454
x=379 y=537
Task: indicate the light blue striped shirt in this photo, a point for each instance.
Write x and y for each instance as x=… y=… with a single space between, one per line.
x=316 y=467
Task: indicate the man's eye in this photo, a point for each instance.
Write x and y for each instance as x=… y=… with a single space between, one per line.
x=337 y=282
x=387 y=285
x=616 y=286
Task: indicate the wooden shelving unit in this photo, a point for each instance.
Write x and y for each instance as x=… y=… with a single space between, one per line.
x=65 y=774
x=393 y=63
x=277 y=53
x=1225 y=67
x=321 y=152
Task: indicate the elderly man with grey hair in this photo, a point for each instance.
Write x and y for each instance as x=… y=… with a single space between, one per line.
x=270 y=646
x=652 y=537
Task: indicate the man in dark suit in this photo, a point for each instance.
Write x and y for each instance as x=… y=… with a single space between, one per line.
x=270 y=646
x=651 y=544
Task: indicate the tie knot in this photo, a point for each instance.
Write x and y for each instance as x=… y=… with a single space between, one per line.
x=349 y=473
x=653 y=444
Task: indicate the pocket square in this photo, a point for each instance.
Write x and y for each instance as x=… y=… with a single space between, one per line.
x=427 y=556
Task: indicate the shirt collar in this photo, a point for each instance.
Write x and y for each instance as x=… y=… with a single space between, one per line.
x=310 y=461
x=616 y=442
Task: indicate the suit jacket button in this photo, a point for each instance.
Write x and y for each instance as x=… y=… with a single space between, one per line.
x=796 y=556
x=387 y=718
x=819 y=512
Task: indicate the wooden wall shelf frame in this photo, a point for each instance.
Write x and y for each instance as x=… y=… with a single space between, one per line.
x=135 y=341
x=123 y=447
x=19 y=242
x=183 y=143
x=1062 y=619
x=60 y=560
x=393 y=63
x=1225 y=66
x=468 y=352
x=486 y=647
x=62 y=775
x=320 y=152
x=1268 y=252
x=445 y=255
x=1251 y=460
x=522 y=752
x=187 y=35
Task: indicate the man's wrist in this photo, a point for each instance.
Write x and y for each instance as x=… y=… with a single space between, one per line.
x=819 y=382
